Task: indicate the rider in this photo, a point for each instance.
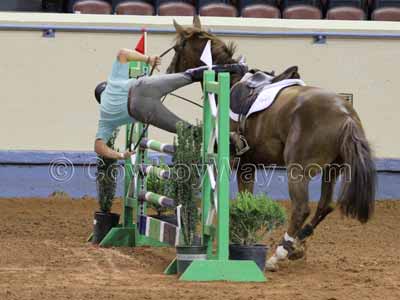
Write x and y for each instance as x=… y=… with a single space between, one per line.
x=124 y=100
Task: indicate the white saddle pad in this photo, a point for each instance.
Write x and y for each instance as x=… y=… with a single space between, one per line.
x=267 y=96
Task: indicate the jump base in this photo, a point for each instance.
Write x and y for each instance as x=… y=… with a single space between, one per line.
x=127 y=237
x=223 y=270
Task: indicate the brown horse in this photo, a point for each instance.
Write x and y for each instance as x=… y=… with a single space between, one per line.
x=308 y=130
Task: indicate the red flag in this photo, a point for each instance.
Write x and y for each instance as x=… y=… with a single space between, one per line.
x=140 y=45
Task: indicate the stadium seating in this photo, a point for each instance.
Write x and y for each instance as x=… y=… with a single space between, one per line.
x=134 y=8
x=386 y=10
x=215 y=8
x=377 y=10
x=259 y=9
x=301 y=9
x=386 y=14
x=92 y=7
x=345 y=13
x=345 y=10
x=176 y=8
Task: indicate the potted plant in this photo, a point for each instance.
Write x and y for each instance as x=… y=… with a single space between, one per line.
x=251 y=218
x=106 y=183
x=185 y=190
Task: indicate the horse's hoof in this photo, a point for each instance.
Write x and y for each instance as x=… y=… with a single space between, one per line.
x=271 y=267
x=296 y=254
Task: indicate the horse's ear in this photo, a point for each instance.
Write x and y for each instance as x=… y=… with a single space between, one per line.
x=196 y=22
x=179 y=29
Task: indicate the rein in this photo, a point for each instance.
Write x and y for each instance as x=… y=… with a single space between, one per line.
x=161 y=55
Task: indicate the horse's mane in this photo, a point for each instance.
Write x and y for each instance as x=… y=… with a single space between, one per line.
x=222 y=52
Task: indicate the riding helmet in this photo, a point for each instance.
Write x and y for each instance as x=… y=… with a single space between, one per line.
x=99 y=89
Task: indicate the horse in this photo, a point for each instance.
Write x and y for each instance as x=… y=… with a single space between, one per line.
x=307 y=129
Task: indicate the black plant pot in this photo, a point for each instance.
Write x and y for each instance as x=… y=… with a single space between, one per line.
x=102 y=223
x=171 y=219
x=256 y=253
x=186 y=254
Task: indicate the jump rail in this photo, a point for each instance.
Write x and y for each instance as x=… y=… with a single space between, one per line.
x=139 y=229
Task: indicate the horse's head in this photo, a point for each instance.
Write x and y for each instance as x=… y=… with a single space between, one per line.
x=190 y=43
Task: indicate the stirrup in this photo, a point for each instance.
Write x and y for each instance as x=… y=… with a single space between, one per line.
x=244 y=149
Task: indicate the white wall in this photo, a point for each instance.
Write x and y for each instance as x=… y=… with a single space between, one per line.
x=47 y=83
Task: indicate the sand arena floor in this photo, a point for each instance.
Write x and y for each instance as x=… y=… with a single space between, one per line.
x=43 y=255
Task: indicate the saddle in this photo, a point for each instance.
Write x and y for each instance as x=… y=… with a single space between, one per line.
x=245 y=92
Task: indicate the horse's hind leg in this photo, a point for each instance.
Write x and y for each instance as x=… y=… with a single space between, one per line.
x=329 y=176
x=298 y=191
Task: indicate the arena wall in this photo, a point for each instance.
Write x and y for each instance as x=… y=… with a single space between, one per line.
x=47 y=82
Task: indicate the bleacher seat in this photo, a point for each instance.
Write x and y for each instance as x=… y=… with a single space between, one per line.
x=176 y=8
x=92 y=7
x=301 y=9
x=345 y=13
x=259 y=9
x=386 y=14
x=302 y=12
x=134 y=8
x=345 y=10
x=69 y=4
x=386 y=10
x=218 y=10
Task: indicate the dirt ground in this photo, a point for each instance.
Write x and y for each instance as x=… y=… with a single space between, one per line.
x=43 y=255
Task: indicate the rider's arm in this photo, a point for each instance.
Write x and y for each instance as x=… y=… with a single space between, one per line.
x=125 y=55
x=101 y=148
x=104 y=133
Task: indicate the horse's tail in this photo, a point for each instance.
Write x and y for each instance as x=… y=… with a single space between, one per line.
x=357 y=198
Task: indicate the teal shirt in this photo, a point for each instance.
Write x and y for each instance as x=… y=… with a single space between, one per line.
x=114 y=102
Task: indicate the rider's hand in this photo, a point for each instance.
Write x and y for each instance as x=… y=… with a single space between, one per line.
x=155 y=61
x=126 y=154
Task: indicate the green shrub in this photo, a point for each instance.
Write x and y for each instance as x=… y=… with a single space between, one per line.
x=251 y=217
x=185 y=188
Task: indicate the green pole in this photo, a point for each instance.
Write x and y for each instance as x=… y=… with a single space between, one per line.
x=223 y=167
x=206 y=188
x=127 y=209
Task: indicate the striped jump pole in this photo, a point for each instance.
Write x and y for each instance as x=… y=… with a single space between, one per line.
x=157 y=146
x=157 y=199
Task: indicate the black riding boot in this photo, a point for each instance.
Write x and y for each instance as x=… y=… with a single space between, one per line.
x=197 y=73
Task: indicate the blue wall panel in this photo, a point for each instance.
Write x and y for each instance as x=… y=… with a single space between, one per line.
x=29 y=174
